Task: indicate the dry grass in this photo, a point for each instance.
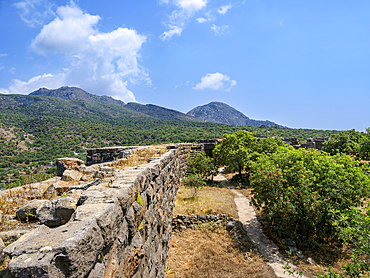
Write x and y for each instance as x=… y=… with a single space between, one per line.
x=209 y=200
x=213 y=253
x=140 y=156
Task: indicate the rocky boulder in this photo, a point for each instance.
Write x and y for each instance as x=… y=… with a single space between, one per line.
x=68 y=163
x=57 y=212
x=71 y=176
x=28 y=210
x=2 y=246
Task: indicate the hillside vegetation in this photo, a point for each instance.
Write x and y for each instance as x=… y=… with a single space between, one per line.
x=37 y=129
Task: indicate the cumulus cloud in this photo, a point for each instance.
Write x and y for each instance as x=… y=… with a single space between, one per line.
x=215 y=81
x=201 y=19
x=101 y=63
x=223 y=9
x=219 y=30
x=34 y=12
x=184 y=10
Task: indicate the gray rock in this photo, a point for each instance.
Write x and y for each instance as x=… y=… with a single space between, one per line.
x=98 y=271
x=68 y=163
x=231 y=225
x=2 y=246
x=290 y=242
x=10 y=236
x=310 y=260
x=56 y=252
x=28 y=210
x=57 y=212
x=71 y=175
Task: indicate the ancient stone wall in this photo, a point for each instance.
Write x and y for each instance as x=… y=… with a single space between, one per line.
x=119 y=229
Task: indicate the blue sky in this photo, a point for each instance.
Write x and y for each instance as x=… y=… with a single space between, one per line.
x=303 y=64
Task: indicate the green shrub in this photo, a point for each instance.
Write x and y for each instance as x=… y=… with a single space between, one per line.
x=201 y=165
x=297 y=189
x=195 y=182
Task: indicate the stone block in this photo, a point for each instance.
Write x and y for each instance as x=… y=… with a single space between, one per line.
x=56 y=212
x=67 y=251
x=68 y=163
x=28 y=210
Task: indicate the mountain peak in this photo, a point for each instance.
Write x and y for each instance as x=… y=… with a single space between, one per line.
x=219 y=112
x=74 y=93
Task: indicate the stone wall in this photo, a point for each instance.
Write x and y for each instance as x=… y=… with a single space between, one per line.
x=101 y=155
x=119 y=229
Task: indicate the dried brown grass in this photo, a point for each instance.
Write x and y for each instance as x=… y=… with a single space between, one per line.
x=213 y=253
x=209 y=200
x=141 y=156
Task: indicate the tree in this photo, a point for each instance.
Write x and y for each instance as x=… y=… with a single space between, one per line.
x=202 y=165
x=270 y=145
x=346 y=141
x=236 y=150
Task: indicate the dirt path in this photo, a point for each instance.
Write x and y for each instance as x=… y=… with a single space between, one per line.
x=265 y=246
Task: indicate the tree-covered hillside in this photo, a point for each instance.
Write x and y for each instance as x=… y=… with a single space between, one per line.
x=35 y=130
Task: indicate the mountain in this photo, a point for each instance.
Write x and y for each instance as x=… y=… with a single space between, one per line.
x=219 y=112
x=131 y=109
x=161 y=112
x=73 y=93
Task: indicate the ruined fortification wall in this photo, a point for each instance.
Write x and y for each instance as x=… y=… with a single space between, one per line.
x=121 y=229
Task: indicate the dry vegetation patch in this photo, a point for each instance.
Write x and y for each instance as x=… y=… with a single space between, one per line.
x=209 y=200
x=213 y=253
x=211 y=250
x=141 y=156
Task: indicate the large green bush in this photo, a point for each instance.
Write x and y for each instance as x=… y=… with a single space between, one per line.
x=297 y=189
x=236 y=151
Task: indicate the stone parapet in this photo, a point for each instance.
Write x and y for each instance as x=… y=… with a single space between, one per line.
x=119 y=229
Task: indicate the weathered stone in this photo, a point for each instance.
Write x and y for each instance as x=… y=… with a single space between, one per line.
x=71 y=175
x=290 y=242
x=28 y=210
x=57 y=212
x=2 y=246
x=109 y=218
x=97 y=272
x=68 y=163
x=85 y=186
x=67 y=251
x=9 y=237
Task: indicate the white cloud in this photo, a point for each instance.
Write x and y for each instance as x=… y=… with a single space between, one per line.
x=100 y=63
x=281 y=23
x=34 y=12
x=201 y=19
x=223 y=9
x=219 y=30
x=3 y=55
x=215 y=81
x=191 y=6
x=184 y=10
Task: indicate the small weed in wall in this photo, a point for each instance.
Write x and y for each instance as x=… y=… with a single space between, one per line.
x=139 y=200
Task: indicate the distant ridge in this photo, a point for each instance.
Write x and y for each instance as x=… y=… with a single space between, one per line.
x=132 y=109
x=74 y=93
x=219 y=112
x=161 y=112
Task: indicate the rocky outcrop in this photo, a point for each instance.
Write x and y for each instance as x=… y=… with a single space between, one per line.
x=120 y=226
x=68 y=163
x=28 y=210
